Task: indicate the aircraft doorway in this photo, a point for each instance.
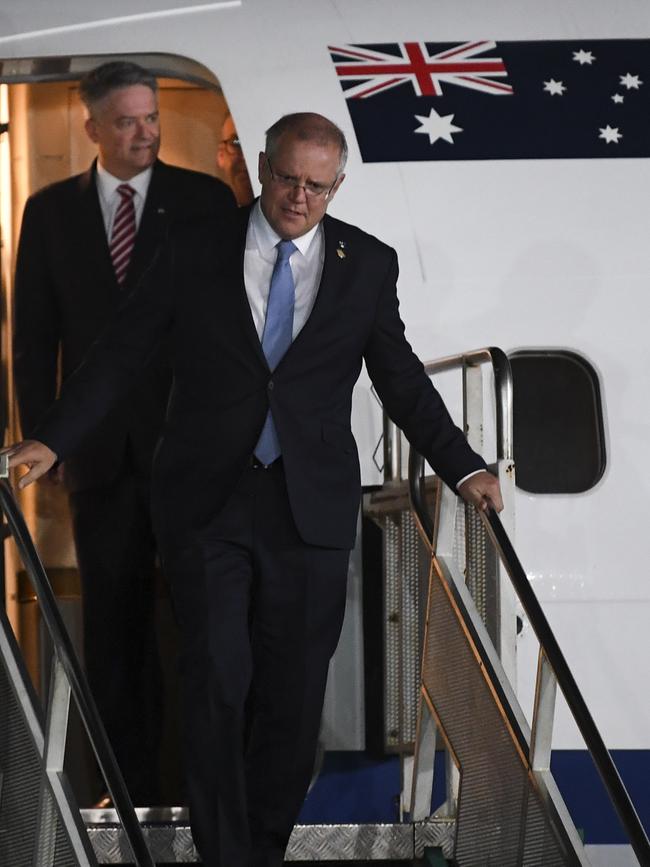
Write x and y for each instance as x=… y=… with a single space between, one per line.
x=47 y=143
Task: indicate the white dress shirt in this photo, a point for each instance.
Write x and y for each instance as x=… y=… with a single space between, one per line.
x=259 y=258
x=109 y=198
x=306 y=266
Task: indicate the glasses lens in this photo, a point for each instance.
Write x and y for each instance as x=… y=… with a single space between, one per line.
x=312 y=190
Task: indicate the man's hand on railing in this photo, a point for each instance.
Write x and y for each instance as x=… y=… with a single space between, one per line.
x=34 y=454
x=483 y=491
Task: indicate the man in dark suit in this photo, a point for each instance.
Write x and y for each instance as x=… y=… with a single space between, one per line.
x=85 y=244
x=256 y=483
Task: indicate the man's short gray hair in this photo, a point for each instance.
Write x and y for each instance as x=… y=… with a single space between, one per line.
x=308 y=126
x=114 y=75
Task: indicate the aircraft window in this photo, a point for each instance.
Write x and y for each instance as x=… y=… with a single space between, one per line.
x=559 y=442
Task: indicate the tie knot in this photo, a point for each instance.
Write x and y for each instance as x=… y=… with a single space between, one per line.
x=126 y=191
x=285 y=249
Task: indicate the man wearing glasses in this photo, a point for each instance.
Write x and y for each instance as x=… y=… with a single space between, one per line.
x=256 y=489
x=231 y=165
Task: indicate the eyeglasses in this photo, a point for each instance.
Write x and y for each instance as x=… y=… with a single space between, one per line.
x=313 y=190
x=232 y=145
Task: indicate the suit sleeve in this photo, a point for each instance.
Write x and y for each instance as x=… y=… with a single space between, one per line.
x=114 y=360
x=224 y=202
x=36 y=321
x=408 y=394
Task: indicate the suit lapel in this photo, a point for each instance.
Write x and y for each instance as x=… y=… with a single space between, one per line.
x=153 y=224
x=91 y=231
x=236 y=279
x=331 y=282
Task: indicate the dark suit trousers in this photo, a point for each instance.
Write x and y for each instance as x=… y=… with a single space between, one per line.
x=260 y=615
x=116 y=555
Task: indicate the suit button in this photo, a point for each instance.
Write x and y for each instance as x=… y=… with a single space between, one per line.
x=270 y=386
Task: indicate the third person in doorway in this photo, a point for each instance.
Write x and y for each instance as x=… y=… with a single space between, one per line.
x=231 y=164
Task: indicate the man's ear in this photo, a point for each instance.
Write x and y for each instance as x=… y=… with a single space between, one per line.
x=261 y=163
x=337 y=184
x=91 y=129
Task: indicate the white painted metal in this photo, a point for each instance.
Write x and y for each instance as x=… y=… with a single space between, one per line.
x=541 y=738
x=422 y=781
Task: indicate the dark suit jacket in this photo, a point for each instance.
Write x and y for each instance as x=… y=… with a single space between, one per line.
x=223 y=387
x=66 y=293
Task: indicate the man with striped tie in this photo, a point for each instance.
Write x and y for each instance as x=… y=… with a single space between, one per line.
x=85 y=243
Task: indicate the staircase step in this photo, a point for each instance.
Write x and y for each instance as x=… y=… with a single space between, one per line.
x=169 y=838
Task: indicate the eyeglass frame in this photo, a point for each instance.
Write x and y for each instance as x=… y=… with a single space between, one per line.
x=232 y=144
x=287 y=181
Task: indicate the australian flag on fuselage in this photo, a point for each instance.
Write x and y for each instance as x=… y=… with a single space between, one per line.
x=497 y=100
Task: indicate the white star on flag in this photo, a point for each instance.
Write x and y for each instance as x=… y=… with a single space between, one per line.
x=610 y=134
x=437 y=127
x=583 y=57
x=555 y=88
x=632 y=82
x=618 y=97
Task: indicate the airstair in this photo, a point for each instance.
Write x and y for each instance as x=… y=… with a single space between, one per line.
x=451 y=584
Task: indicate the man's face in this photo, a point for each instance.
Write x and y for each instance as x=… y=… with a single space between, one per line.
x=230 y=160
x=125 y=126
x=290 y=210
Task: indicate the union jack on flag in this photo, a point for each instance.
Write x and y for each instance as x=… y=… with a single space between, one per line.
x=371 y=72
x=567 y=99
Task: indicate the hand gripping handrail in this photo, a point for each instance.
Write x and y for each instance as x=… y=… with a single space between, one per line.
x=504 y=447
x=69 y=662
x=550 y=653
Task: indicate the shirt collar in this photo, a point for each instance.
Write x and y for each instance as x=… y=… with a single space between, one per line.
x=108 y=183
x=266 y=238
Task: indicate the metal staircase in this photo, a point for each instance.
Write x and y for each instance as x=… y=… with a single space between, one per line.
x=508 y=809
x=502 y=806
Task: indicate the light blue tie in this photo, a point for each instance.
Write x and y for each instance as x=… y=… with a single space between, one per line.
x=276 y=339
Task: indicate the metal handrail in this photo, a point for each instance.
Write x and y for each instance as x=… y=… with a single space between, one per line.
x=69 y=661
x=550 y=647
x=548 y=644
x=504 y=442
x=502 y=385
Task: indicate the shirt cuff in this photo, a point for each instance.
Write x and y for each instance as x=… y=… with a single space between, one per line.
x=468 y=476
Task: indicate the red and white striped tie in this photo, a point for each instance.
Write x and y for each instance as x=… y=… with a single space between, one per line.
x=123 y=235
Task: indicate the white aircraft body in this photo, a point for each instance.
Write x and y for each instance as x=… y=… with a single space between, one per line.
x=521 y=253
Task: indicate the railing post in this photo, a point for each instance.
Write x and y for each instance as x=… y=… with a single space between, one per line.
x=541 y=737
x=392 y=451
x=54 y=754
x=423 y=762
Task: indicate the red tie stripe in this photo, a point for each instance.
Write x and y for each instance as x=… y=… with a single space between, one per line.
x=123 y=235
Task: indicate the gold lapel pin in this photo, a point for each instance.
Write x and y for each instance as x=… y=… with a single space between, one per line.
x=340 y=251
